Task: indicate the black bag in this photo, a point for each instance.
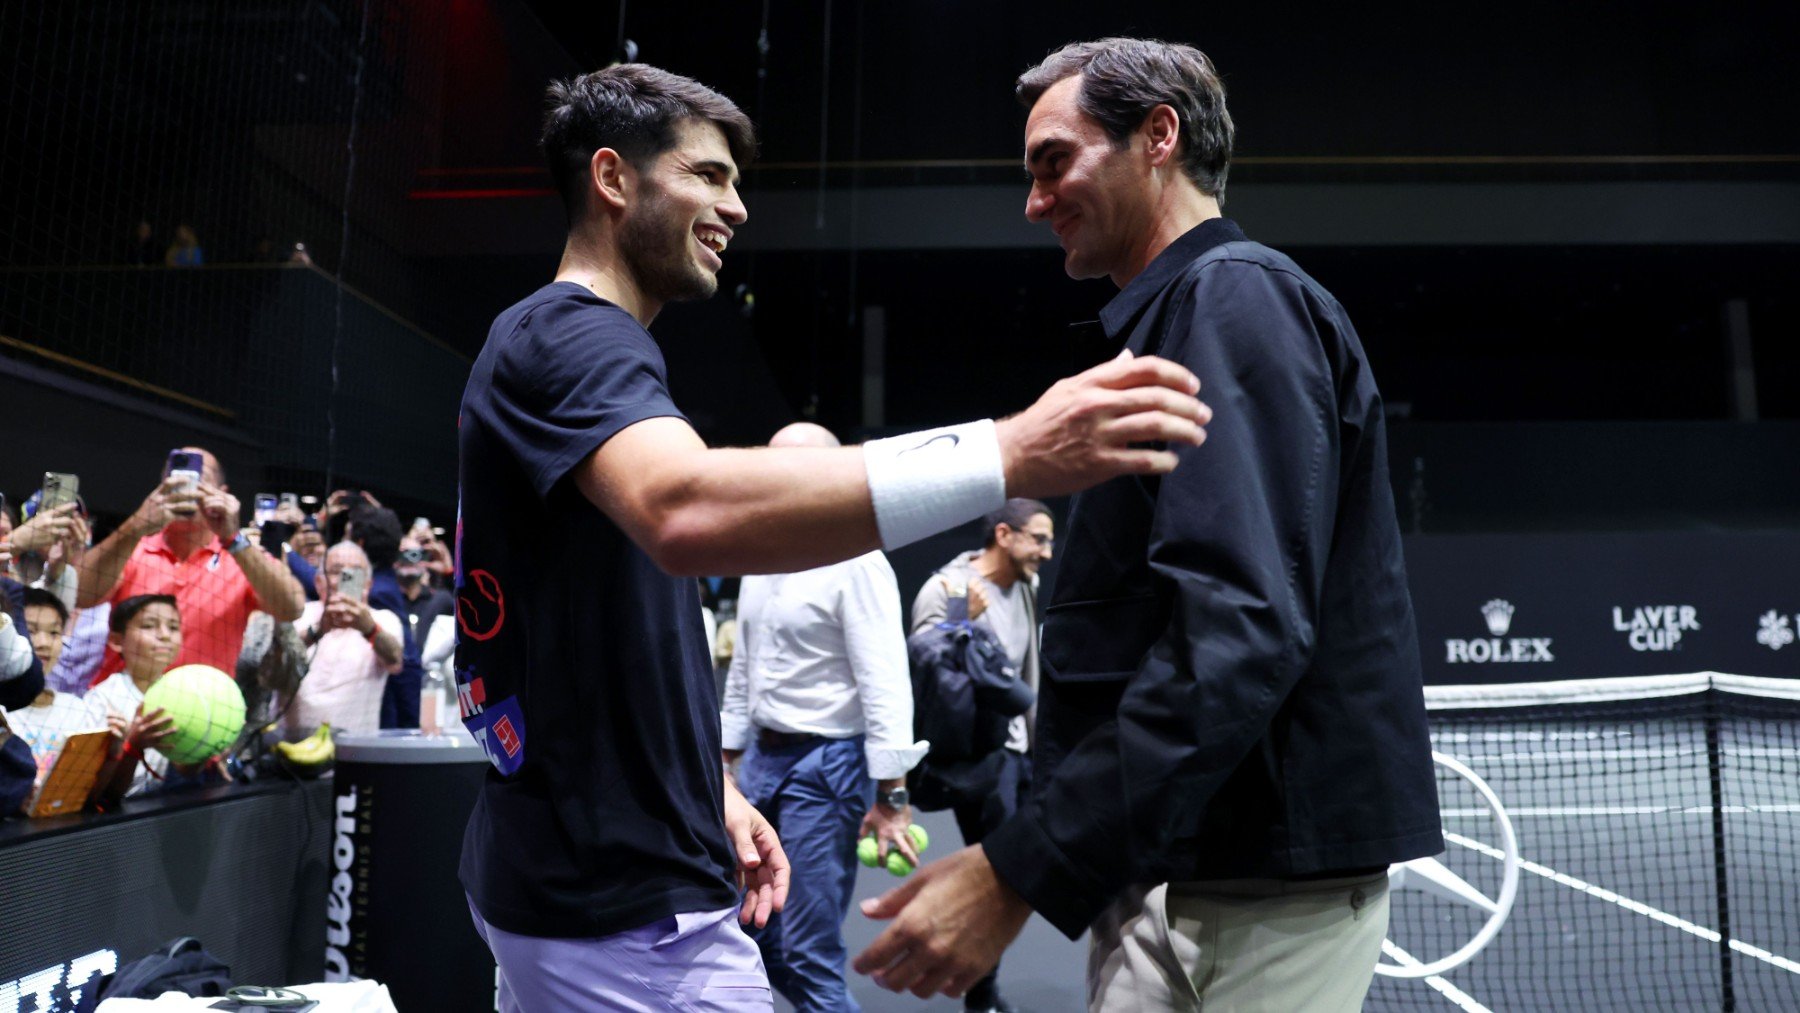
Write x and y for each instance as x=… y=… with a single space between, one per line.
x=965 y=694
x=18 y=771
x=181 y=966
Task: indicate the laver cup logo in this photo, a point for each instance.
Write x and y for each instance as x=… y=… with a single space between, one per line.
x=1499 y=648
x=1656 y=627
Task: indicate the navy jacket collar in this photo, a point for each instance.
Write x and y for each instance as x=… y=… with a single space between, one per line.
x=1118 y=314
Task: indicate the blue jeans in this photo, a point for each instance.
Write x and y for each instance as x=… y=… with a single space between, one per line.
x=816 y=794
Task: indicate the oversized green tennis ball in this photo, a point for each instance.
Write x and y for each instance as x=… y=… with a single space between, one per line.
x=208 y=709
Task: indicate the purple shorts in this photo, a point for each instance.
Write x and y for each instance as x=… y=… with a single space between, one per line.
x=696 y=962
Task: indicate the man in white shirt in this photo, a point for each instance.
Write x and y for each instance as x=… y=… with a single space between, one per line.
x=818 y=703
x=352 y=649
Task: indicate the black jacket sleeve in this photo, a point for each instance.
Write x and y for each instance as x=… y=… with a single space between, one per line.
x=21 y=690
x=1238 y=540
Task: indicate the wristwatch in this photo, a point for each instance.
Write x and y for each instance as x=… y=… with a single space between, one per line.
x=898 y=798
x=240 y=542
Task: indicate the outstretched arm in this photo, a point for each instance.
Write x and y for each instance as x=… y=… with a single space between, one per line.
x=776 y=510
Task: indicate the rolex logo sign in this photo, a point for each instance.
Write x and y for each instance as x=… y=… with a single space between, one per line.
x=1498 y=614
x=1498 y=648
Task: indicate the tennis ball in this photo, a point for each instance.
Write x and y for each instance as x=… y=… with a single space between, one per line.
x=208 y=709
x=896 y=862
x=868 y=852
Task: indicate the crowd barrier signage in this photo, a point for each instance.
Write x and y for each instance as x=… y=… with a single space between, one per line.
x=1537 y=607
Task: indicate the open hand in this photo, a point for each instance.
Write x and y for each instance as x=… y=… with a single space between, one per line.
x=762 y=865
x=149 y=731
x=1079 y=433
x=952 y=920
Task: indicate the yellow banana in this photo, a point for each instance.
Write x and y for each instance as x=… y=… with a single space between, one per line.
x=315 y=750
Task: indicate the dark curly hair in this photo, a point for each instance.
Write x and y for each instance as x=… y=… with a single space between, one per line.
x=634 y=109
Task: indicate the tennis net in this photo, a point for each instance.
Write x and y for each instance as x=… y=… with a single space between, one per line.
x=1658 y=827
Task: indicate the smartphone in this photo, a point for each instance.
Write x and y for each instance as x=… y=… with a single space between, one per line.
x=352 y=582
x=265 y=508
x=186 y=465
x=289 y=499
x=185 y=460
x=59 y=490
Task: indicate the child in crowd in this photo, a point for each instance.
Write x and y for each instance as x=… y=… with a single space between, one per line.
x=146 y=631
x=53 y=716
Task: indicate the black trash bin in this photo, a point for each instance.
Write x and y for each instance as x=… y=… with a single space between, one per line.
x=395 y=911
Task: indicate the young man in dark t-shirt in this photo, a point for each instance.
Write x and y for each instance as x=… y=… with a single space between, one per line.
x=601 y=856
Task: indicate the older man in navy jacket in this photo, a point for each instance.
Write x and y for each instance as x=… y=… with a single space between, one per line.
x=1231 y=730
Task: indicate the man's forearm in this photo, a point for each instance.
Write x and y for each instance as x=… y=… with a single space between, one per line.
x=102 y=566
x=747 y=511
x=387 y=648
x=277 y=592
x=777 y=510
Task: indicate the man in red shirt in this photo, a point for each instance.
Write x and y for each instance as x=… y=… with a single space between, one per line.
x=184 y=541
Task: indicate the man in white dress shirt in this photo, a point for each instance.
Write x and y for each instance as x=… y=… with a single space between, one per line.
x=818 y=702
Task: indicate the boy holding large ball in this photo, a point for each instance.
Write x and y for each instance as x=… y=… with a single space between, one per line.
x=146 y=631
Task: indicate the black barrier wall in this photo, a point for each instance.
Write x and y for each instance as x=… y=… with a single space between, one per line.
x=240 y=868
x=1531 y=608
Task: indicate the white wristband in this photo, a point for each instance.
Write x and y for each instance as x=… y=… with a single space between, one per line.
x=924 y=482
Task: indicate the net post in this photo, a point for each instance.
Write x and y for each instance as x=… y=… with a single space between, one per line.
x=1721 y=884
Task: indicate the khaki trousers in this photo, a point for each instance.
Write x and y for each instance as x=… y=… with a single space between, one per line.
x=1239 y=946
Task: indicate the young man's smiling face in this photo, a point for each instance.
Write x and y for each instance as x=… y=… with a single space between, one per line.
x=674 y=235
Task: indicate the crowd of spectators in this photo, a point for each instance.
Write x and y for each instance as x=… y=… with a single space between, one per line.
x=335 y=617
x=182 y=248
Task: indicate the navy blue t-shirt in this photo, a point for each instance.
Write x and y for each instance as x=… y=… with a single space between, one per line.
x=581 y=667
